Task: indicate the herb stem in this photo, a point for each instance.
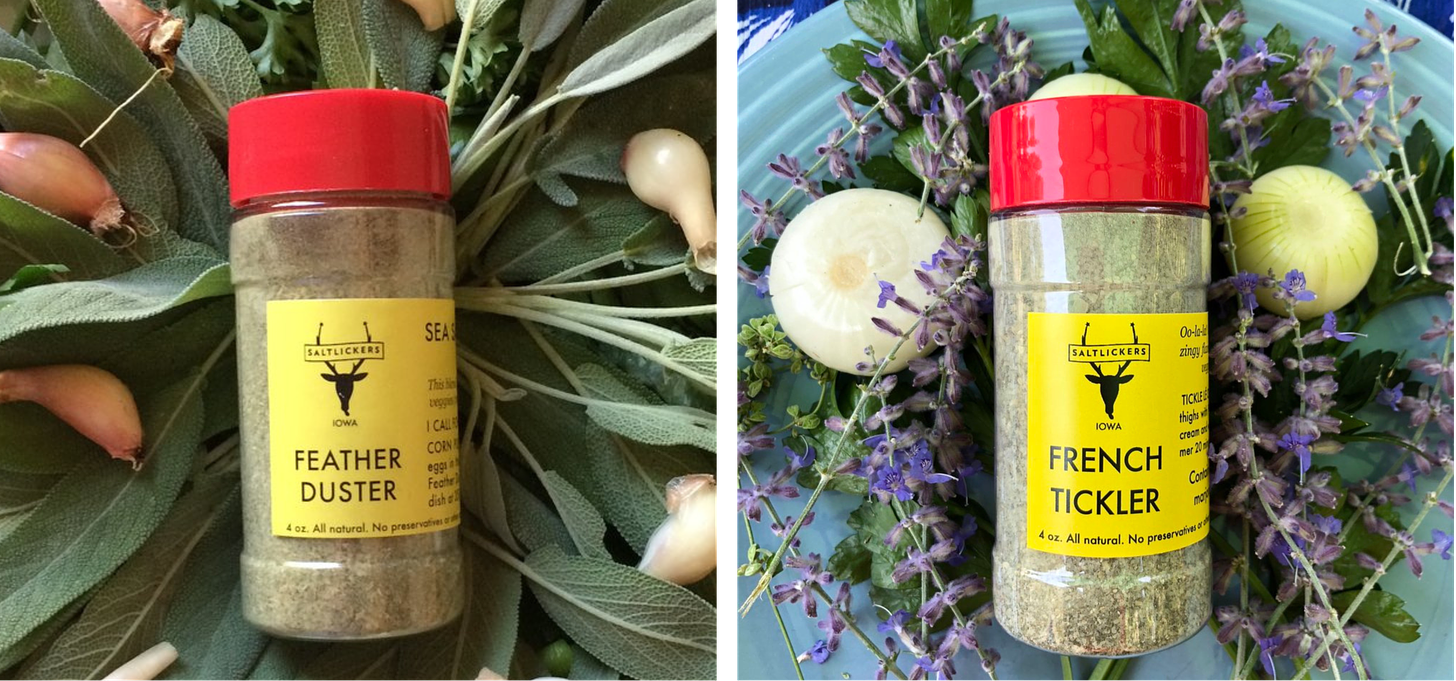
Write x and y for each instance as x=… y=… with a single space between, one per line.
x=457 y=65
x=788 y=642
x=1246 y=158
x=1369 y=583
x=1400 y=152
x=604 y=283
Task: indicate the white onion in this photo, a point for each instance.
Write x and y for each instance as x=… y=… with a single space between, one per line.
x=823 y=277
x=1308 y=219
x=1075 y=84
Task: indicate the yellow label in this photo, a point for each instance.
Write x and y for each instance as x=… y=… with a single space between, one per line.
x=1116 y=433
x=362 y=417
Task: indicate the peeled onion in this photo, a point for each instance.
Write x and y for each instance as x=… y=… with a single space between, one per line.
x=1075 y=84
x=669 y=171
x=824 y=274
x=1308 y=219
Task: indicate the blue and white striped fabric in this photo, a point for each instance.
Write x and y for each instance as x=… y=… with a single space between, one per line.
x=760 y=21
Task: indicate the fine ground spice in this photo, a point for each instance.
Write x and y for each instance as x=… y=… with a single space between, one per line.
x=1092 y=260
x=326 y=588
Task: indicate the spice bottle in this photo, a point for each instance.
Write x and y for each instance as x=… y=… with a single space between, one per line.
x=1099 y=247
x=342 y=259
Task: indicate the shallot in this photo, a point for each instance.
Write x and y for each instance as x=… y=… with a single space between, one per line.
x=156 y=32
x=434 y=14
x=56 y=176
x=93 y=401
x=668 y=170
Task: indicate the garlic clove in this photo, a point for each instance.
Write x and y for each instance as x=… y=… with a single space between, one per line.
x=434 y=14
x=826 y=269
x=669 y=171
x=684 y=548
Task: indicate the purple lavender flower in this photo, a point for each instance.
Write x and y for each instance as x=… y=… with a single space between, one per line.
x=838 y=158
x=788 y=168
x=1441 y=543
x=1266 y=652
x=894 y=624
x=921 y=467
x=1442 y=208
x=758 y=280
x=754 y=439
x=1378 y=37
x=749 y=500
x=1187 y=9
x=1391 y=396
x=888 y=482
x=799 y=461
x=819 y=652
x=1329 y=330
x=1292 y=288
x=766 y=221
x=876 y=60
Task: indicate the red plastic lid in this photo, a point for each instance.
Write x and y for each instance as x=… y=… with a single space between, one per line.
x=1099 y=149
x=338 y=140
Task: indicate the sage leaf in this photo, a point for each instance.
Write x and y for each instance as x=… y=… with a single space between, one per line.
x=623 y=411
x=370 y=660
x=12 y=47
x=582 y=520
x=542 y=238
x=1382 y=611
x=590 y=144
x=205 y=619
x=613 y=20
x=34 y=442
x=532 y=522
x=638 y=476
x=543 y=21
x=31 y=236
x=1119 y=56
x=485 y=636
x=404 y=52
x=644 y=50
x=9 y=657
x=284 y=659
x=96 y=517
x=133 y=295
x=639 y=625
x=216 y=73
x=20 y=493
x=586 y=666
x=659 y=243
x=698 y=354
x=125 y=616
x=101 y=55
x=56 y=104
x=343 y=49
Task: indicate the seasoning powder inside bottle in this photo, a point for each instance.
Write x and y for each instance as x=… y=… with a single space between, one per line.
x=1099 y=248
x=342 y=261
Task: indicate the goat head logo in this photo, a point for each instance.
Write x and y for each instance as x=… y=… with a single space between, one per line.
x=329 y=354
x=1123 y=354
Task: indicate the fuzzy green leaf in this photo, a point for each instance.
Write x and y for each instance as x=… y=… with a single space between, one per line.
x=642 y=51
x=543 y=21
x=96 y=517
x=542 y=238
x=367 y=660
x=125 y=616
x=205 y=620
x=698 y=354
x=590 y=144
x=343 y=48
x=659 y=243
x=12 y=47
x=533 y=522
x=31 y=236
x=1152 y=22
x=613 y=20
x=485 y=635
x=586 y=666
x=33 y=441
x=56 y=104
x=1382 y=611
x=9 y=657
x=215 y=73
x=102 y=56
x=582 y=520
x=20 y=493
x=623 y=412
x=642 y=626
x=137 y=294
x=404 y=52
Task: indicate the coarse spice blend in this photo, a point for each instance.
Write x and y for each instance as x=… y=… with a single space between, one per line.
x=342 y=260
x=1099 y=248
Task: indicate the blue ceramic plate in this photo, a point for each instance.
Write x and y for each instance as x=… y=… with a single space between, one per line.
x=785 y=96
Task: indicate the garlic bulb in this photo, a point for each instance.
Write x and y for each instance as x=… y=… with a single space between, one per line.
x=825 y=272
x=1308 y=219
x=1075 y=84
x=684 y=549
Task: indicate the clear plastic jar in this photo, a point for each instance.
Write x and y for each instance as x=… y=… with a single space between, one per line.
x=1101 y=335
x=346 y=370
